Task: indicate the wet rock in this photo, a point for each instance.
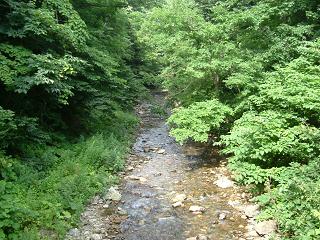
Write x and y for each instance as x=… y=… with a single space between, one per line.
x=224 y=182
x=113 y=195
x=197 y=209
x=251 y=210
x=96 y=237
x=179 y=198
x=266 y=227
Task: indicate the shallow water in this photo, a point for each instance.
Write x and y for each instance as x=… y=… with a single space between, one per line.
x=187 y=170
x=157 y=170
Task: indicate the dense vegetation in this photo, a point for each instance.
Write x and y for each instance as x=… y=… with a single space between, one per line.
x=68 y=80
x=245 y=75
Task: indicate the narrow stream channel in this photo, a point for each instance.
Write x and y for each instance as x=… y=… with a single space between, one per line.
x=160 y=173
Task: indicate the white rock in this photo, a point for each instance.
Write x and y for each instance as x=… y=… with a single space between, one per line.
x=251 y=210
x=266 y=227
x=161 y=151
x=197 y=209
x=74 y=232
x=113 y=194
x=179 y=198
x=141 y=179
x=121 y=211
x=96 y=237
x=177 y=204
x=202 y=237
x=224 y=182
x=222 y=216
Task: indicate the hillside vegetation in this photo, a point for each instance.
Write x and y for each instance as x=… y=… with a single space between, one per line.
x=245 y=75
x=68 y=81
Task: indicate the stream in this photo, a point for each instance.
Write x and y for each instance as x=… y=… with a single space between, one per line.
x=167 y=192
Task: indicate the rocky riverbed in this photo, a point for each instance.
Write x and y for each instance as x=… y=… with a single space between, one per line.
x=171 y=192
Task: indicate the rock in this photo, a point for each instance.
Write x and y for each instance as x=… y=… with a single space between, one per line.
x=161 y=151
x=96 y=237
x=251 y=210
x=191 y=238
x=202 y=237
x=177 y=204
x=105 y=206
x=121 y=211
x=196 y=209
x=179 y=198
x=224 y=182
x=130 y=168
x=222 y=216
x=141 y=179
x=113 y=195
x=74 y=232
x=266 y=227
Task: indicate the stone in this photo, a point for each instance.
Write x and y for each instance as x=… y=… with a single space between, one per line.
x=141 y=179
x=179 y=198
x=130 y=168
x=266 y=227
x=251 y=211
x=113 y=195
x=224 y=182
x=191 y=238
x=197 y=209
x=202 y=237
x=74 y=232
x=222 y=216
x=121 y=211
x=96 y=237
x=177 y=204
x=161 y=151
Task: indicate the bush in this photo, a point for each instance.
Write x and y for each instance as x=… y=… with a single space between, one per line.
x=198 y=120
x=271 y=139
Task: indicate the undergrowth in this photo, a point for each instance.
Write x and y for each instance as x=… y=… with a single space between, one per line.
x=44 y=202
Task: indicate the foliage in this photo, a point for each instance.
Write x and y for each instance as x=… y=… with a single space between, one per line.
x=45 y=203
x=198 y=120
x=67 y=81
x=260 y=59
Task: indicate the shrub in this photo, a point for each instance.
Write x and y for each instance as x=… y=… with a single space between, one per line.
x=198 y=120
